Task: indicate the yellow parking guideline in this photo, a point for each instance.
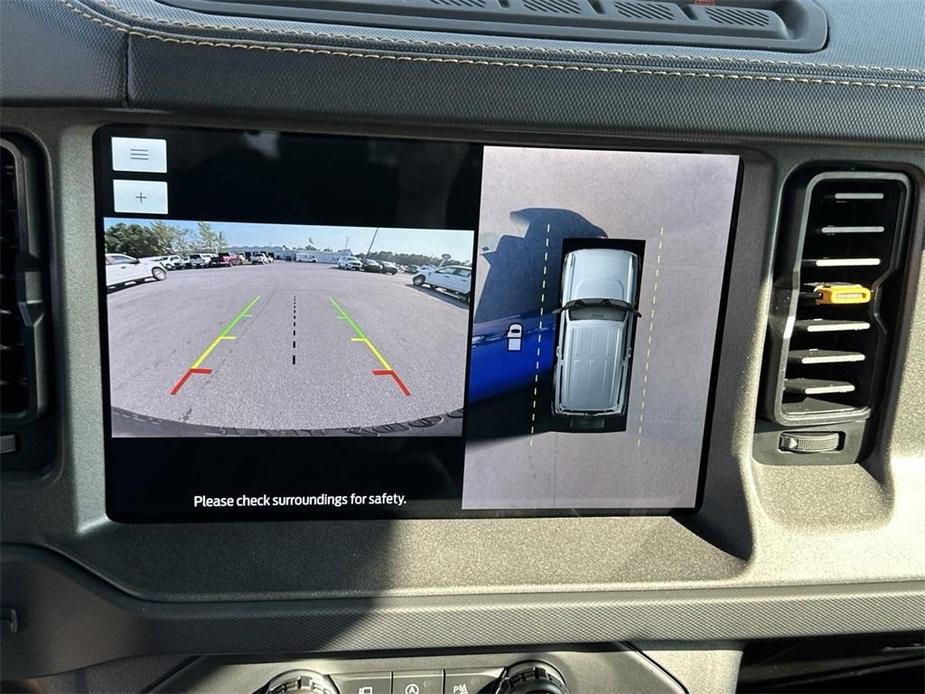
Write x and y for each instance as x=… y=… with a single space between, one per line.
x=372 y=347
x=361 y=336
x=223 y=335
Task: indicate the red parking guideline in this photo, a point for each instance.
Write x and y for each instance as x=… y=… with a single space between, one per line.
x=389 y=372
x=223 y=335
x=189 y=372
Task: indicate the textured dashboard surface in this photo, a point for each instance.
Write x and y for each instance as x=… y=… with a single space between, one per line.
x=868 y=83
x=773 y=551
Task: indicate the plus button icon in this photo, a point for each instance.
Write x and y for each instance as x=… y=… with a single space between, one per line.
x=141 y=197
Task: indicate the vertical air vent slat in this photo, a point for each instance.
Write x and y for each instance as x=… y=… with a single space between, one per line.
x=836 y=297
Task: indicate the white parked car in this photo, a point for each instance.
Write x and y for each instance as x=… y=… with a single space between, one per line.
x=259 y=259
x=200 y=259
x=454 y=278
x=350 y=262
x=124 y=269
x=171 y=262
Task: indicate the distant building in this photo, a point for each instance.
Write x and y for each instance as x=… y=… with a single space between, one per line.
x=329 y=257
x=293 y=254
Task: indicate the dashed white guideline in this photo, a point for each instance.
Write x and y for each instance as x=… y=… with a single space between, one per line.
x=539 y=336
x=645 y=371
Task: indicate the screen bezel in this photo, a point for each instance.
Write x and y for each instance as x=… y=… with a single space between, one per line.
x=420 y=508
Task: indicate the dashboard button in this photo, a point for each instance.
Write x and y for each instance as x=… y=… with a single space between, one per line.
x=140 y=196
x=142 y=154
x=424 y=682
x=364 y=683
x=471 y=681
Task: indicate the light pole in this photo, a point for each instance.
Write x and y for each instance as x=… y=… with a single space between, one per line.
x=375 y=233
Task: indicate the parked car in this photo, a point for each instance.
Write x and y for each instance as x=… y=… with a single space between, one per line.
x=200 y=260
x=597 y=316
x=388 y=268
x=370 y=265
x=227 y=259
x=259 y=259
x=124 y=269
x=306 y=258
x=172 y=262
x=454 y=278
x=410 y=269
x=349 y=262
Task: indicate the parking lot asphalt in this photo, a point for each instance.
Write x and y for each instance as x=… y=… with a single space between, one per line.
x=286 y=346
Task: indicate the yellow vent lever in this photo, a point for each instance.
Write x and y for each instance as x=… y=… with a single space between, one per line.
x=841 y=293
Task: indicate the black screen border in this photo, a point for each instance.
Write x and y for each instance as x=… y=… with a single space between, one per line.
x=431 y=509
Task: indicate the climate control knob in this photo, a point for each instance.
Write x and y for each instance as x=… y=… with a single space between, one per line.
x=532 y=677
x=307 y=681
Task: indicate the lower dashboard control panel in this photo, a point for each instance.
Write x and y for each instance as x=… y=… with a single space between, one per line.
x=522 y=678
x=611 y=668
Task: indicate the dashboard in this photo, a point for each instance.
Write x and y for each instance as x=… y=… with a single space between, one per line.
x=362 y=349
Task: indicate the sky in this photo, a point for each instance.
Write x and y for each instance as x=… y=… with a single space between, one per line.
x=429 y=242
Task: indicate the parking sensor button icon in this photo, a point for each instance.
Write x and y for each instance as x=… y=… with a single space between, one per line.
x=515 y=335
x=430 y=682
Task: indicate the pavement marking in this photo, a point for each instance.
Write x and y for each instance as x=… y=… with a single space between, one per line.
x=222 y=336
x=645 y=372
x=539 y=334
x=293 y=330
x=386 y=369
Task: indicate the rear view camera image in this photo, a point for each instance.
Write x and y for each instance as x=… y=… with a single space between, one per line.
x=599 y=278
x=225 y=329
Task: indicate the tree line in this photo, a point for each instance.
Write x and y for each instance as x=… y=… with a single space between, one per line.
x=160 y=238
x=411 y=258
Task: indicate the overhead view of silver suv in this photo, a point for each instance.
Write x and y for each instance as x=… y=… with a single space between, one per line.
x=596 y=319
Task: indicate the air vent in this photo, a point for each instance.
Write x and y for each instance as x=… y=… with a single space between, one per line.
x=648 y=11
x=24 y=358
x=836 y=297
x=460 y=3
x=740 y=17
x=554 y=6
x=781 y=25
x=15 y=395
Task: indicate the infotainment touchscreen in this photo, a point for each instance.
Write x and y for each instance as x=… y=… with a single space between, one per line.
x=312 y=326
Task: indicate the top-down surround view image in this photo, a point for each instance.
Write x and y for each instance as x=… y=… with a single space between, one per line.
x=462 y=346
x=597 y=289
